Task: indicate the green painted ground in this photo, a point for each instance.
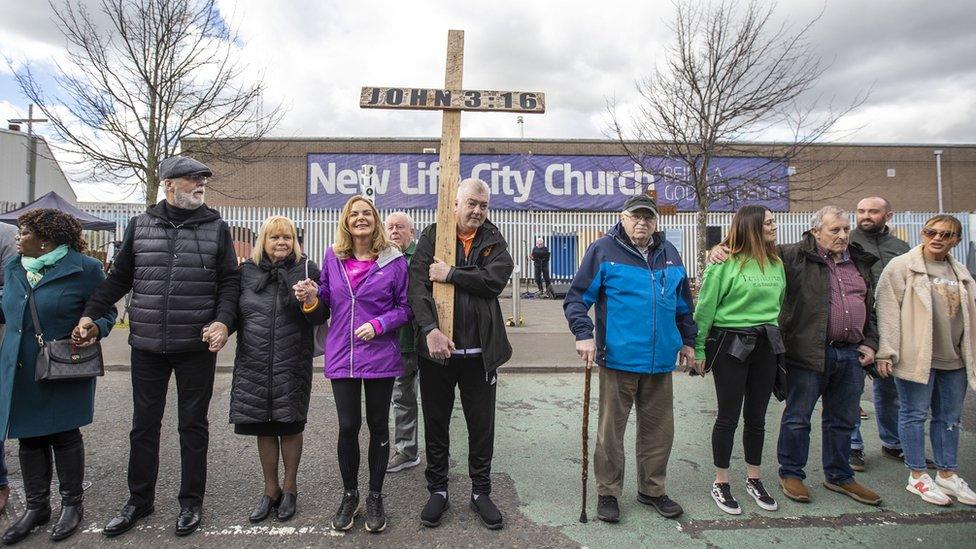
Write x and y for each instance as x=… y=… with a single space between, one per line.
x=538 y=446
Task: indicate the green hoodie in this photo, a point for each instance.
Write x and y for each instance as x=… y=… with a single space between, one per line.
x=738 y=295
x=407 y=338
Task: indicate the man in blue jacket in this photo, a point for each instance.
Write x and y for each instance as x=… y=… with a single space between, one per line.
x=643 y=323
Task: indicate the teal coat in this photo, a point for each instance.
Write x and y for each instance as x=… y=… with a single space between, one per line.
x=29 y=408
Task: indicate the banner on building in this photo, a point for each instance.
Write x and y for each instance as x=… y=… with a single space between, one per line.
x=548 y=182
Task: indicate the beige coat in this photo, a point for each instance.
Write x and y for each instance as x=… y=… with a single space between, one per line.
x=904 y=305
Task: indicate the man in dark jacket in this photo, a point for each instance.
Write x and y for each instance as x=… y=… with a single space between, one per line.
x=874 y=236
x=830 y=333
x=480 y=346
x=400 y=231
x=540 y=260
x=179 y=261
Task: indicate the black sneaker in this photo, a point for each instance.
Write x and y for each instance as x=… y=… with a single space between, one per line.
x=667 y=507
x=722 y=494
x=755 y=488
x=345 y=516
x=490 y=516
x=434 y=510
x=857 y=461
x=375 y=516
x=607 y=509
x=893 y=453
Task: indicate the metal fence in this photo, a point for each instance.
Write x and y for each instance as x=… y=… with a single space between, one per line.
x=567 y=233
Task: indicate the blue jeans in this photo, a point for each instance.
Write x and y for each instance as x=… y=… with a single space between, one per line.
x=885 y=413
x=840 y=386
x=944 y=395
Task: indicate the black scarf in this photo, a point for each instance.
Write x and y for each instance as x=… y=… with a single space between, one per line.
x=274 y=272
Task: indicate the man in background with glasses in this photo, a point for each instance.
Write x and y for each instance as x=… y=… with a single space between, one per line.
x=644 y=326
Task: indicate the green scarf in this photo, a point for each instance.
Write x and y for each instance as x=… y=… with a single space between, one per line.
x=34 y=265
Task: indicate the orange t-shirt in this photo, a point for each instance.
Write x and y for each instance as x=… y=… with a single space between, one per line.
x=466 y=241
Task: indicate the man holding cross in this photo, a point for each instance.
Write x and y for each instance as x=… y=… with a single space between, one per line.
x=469 y=361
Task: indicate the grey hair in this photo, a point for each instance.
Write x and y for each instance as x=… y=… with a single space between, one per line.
x=471 y=185
x=817 y=220
x=404 y=215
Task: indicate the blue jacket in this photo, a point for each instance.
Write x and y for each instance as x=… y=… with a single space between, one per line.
x=29 y=408
x=643 y=306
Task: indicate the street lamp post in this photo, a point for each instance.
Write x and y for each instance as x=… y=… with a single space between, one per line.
x=938 y=176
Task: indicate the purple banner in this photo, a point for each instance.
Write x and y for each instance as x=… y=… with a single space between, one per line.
x=549 y=182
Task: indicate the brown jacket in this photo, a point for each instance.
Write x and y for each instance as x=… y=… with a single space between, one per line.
x=904 y=301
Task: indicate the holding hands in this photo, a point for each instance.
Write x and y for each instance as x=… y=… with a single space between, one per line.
x=306 y=291
x=215 y=335
x=85 y=333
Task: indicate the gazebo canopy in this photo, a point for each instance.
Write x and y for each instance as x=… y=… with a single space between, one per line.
x=54 y=201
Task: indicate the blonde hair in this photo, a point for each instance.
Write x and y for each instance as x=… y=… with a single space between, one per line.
x=342 y=246
x=276 y=224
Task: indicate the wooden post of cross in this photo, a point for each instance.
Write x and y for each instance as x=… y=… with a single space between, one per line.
x=451 y=101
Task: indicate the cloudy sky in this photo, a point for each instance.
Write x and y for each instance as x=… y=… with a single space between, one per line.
x=916 y=57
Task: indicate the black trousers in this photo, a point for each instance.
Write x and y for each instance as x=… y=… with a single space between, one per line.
x=194 y=387
x=348 y=398
x=68 y=449
x=437 y=384
x=540 y=274
x=749 y=382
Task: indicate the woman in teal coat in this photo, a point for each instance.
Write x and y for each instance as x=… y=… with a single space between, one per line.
x=46 y=416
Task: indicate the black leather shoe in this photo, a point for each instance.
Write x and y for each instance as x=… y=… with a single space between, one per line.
x=189 y=520
x=434 y=510
x=263 y=508
x=68 y=522
x=32 y=518
x=286 y=509
x=126 y=519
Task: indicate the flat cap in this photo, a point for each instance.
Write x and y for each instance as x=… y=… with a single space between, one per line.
x=641 y=202
x=175 y=167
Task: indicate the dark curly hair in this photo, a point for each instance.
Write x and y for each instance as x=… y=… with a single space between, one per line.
x=54 y=226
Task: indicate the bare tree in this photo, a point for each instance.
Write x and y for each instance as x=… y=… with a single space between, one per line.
x=162 y=71
x=730 y=75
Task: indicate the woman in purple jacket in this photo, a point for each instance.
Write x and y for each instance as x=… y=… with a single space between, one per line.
x=364 y=286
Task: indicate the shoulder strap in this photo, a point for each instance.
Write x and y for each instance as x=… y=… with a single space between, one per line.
x=33 y=310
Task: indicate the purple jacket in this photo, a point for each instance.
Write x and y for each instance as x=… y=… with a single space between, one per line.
x=381 y=296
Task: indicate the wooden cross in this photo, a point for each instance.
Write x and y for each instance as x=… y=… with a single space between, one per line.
x=451 y=101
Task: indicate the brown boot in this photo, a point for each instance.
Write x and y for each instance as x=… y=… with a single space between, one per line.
x=855 y=491
x=794 y=489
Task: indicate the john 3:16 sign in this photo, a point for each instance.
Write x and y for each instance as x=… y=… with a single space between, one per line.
x=467 y=100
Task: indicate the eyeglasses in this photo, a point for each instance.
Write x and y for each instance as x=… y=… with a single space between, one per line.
x=932 y=233
x=197 y=177
x=638 y=218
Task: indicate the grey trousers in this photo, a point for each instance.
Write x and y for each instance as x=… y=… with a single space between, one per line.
x=405 y=408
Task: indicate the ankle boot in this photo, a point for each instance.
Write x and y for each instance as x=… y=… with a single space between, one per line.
x=35 y=466
x=70 y=462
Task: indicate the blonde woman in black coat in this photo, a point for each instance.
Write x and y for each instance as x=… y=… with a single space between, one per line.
x=273 y=366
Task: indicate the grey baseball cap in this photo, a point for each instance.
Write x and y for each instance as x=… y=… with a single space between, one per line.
x=175 y=167
x=641 y=202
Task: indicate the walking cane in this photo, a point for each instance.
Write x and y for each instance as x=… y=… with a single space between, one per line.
x=586 y=433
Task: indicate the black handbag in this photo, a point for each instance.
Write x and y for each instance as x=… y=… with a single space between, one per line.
x=61 y=359
x=779 y=385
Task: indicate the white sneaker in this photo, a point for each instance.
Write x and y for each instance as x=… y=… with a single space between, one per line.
x=925 y=487
x=955 y=486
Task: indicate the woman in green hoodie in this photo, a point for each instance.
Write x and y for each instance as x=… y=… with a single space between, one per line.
x=738 y=341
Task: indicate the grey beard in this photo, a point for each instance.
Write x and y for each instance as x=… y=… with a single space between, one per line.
x=186 y=201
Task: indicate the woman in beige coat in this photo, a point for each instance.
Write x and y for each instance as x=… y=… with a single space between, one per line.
x=926 y=311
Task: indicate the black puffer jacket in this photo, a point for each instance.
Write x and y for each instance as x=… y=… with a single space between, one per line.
x=273 y=365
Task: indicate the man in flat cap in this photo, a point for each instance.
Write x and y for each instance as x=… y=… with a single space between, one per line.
x=178 y=260
x=644 y=325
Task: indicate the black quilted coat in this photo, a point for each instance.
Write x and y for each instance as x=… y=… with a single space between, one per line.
x=273 y=365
